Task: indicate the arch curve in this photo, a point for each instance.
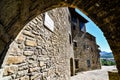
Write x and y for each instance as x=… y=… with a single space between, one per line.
x=14 y=14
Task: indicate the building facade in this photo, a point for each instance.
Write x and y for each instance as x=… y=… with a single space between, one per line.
x=44 y=49
x=86 y=53
x=86 y=50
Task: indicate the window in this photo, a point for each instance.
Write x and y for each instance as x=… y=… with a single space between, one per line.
x=82 y=27
x=74 y=19
x=70 y=39
x=88 y=63
x=71 y=66
x=74 y=28
x=75 y=44
x=91 y=49
x=76 y=64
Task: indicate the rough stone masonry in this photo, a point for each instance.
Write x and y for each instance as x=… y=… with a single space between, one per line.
x=38 y=53
x=14 y=14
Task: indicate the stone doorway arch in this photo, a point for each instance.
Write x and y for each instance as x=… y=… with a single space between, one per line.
x=14 y=14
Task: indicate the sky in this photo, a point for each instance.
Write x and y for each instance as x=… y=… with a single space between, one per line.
x=93 y=29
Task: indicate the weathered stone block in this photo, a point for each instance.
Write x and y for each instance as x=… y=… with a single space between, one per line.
x=22 y=73
x=113 y=75
x=30 y=43
x=41 y=63
x=10 y=70
x=21 y=46
x=24 y=78
x=28 y=53
x=34 y=21
x=6 y=78
x=14 y=50
x=35 y=64
x=23 y=66
x=30 y=61
x=20 y=38
x=28 y=33
x=36 y=77
x=28 y=28
x=44 y=52
x=15 y=59
x=34 y=69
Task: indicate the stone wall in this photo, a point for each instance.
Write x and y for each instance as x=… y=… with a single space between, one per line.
x=14 y=14
x=86 y=53
x=38 y=53
x=113 y=75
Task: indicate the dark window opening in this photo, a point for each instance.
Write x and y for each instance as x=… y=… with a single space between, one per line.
x=91 y=49
x=75 y=44
x=74 y=28
x=71 y=66
x=93 y=61
x=76 y=64
x=74 y=19
x=88 y=63
x=70 y=39
x=81 y=25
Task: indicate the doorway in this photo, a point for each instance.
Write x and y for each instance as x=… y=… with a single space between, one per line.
x=71 y=66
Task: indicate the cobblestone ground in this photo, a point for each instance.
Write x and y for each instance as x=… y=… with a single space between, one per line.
x=100 y=74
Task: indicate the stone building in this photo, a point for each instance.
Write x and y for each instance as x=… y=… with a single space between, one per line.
x=43 y=50
x=14 y=14
x=86 y=50
x=86 y=53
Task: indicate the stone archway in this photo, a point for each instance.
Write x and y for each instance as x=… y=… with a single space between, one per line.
x=14 y=14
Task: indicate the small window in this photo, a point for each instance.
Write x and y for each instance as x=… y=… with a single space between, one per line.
x=74 y=28
x=91 y=49
x=88 y=63
x=70 y=39
x=81 y=25
x=76 y=64
x=74 y=19
x=75 y=44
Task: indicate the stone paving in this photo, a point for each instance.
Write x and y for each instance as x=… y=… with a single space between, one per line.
x=100 y=74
